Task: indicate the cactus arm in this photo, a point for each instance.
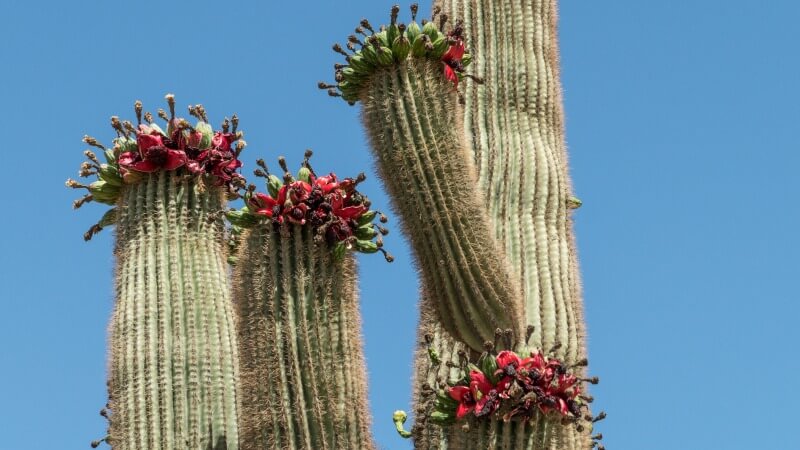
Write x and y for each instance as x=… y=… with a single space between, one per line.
x=303 y=378
x=170 y=331
x=411 y=115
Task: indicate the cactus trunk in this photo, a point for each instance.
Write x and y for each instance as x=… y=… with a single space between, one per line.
x=173 y=345
x=417 y=134
x=303 y=376
x=514 y=126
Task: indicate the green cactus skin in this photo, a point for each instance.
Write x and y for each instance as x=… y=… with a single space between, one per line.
x=514 y=125
x=303 y=375
x=413 y=119
x=173 y=361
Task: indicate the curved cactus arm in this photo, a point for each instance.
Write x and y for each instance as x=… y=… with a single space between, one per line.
x=405 y=78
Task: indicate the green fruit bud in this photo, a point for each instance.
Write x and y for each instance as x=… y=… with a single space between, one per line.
x=418 y=47
x=110 y=175
x=208 y=134
x=352 y=76
x=339 y=250
x=401 y=47
x=104 y=192
x=366 y=246
x=274 y=185
x=385 y=56
x=391 y=33
x=109 y=218
x=111 y=156
x=304 y=174
x=370 y=55
x=488 y=365
x=242 y=218
x=441 y=418
x=383 y=38
x=466 y=60
x=367 y=218
x=440 y=46
x=126 y=144
x=574 y=203
x=399 y=418
x=431 y=30
x=157 y=128
x=366 y=232
x=413 y=31
x=359 y=64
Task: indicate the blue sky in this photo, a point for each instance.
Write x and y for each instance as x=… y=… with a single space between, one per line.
x=682 y=125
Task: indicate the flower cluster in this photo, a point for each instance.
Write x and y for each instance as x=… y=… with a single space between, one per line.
x=146 y=148
x=330 y=205
x=509 y=387
x=394 y=44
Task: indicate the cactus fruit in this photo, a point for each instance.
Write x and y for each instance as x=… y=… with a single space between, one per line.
x=173 y=353
x=303 y=376
x=411 y=113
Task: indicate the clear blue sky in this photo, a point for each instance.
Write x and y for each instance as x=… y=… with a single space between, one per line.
x=682 y=120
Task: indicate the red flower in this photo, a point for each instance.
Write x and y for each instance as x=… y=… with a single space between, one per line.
x=452 y=61
x=262 y=204
x=507 y=364
x=326 y=183
x=472 y=398
x=153 y=155
x=298 y=191
x=342 y=209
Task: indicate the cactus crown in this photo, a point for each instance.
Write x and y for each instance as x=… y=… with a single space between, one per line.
x=394 y=44
x=198 y=150
x=337 y=213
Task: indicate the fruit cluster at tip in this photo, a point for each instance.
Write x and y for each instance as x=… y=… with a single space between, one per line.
x=371 y=50
x=506 y=386
x=196 y=151
x=331 y=207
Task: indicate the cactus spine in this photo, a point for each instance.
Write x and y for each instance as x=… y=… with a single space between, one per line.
x=514 y=125
x=416 y=131
x=303 y=374
x=173 y=345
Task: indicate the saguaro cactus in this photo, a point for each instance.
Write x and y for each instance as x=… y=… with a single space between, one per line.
x=503 y=164
x=173 y=359
x=303 y=376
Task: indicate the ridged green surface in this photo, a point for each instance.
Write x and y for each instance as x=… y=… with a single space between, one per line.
x=303 y=376
x=416 y=131
x=514 y=125
x=173 y=345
